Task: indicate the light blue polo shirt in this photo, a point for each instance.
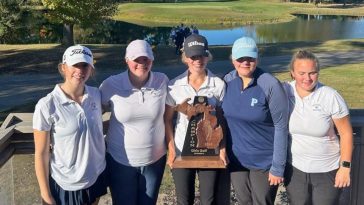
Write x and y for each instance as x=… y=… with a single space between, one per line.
x=257 y=120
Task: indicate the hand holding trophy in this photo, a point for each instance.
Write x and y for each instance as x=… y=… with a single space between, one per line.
x=203 y=137
x=209 y=132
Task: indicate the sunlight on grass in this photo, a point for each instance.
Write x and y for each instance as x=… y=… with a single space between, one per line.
x=223 y=14
x=348 y=80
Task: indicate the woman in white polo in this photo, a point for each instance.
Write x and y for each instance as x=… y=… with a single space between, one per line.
x=319 y=161
x=136 y=151
x=69 y=143
x=197 y=80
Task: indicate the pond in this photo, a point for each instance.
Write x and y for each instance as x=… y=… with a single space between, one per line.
x=302 y=28
x=36 y=29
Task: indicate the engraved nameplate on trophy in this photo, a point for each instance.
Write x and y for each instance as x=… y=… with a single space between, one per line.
x=204 y=134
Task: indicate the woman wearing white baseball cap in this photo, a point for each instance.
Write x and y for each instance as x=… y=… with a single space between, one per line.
x=136 y=151
x=69 y=143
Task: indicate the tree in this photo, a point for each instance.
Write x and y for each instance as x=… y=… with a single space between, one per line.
x=81 y=12
x=10 y=14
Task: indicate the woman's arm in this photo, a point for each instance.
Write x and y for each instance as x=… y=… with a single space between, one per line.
x=221 y=120
x=41 y=159
x=168 y=121
x=278 y=107
x=345 y=130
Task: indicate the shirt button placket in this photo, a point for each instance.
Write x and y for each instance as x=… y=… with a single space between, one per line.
x=141 y=97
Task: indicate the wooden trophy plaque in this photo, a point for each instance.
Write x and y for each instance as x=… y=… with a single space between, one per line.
x=203 y=137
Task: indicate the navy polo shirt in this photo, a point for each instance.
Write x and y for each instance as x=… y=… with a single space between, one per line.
x=257 y=119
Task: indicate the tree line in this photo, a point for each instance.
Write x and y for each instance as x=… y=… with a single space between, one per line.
x=68 y=13
x=344 y=2
x=82 y=12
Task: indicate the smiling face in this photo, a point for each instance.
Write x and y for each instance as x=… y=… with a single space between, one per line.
x=76 y=74
x=140 y=67
x=245 y=66
x=306 y=74
x=196 y=63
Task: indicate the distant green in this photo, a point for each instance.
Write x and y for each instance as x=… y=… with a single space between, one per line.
x=223 y=14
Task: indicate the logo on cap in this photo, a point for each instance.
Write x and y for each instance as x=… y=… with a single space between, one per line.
x=244 y=47
x=76 y=54
x=196 y=43
x=80 y=51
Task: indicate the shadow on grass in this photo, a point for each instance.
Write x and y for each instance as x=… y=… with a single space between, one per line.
x=111 y=56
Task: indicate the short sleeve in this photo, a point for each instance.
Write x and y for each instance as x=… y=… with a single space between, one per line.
x=105 y=92
x=221 y=96
x=170 y=100
x=41 y=117
x=339 y=107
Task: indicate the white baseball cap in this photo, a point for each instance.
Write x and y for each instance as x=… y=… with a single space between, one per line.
x=78 y=54
x=138 y=48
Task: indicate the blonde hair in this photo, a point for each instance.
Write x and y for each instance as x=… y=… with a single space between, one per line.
x=304 y=54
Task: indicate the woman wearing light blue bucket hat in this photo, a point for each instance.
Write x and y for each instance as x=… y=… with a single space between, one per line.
x=255 y=109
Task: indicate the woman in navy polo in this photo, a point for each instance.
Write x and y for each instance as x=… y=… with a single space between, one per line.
x=256 y=111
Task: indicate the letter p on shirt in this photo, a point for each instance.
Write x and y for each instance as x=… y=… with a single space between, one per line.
x=253 y=102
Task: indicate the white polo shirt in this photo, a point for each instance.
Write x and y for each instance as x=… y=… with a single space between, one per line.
x=78 y=154
x=179 y=90
x=314 y=147
x=136 y=130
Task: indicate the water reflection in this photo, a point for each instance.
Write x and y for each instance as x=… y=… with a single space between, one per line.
x=303 y=28
x=312 y=28
x=36 y=29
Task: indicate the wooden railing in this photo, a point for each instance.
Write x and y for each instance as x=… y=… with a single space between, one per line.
x=16 y=138
x=16 y=135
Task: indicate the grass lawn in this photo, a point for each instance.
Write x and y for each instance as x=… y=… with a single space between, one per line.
x=348 y=80
x=224 y=14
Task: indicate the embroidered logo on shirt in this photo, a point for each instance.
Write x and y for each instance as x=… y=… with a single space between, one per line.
x=93 y=106
x=316 y=107
x=253 y=102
